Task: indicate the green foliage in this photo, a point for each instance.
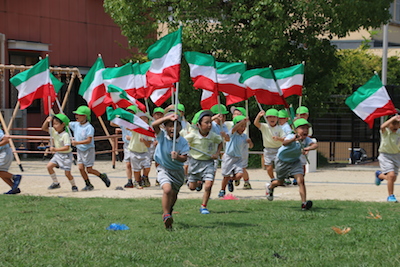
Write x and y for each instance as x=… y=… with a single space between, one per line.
x=41 y=231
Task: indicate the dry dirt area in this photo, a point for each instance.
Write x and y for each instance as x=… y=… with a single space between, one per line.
x=343 y=183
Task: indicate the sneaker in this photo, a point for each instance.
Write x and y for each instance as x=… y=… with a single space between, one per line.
x=146 y=181
x=221 y=193
x=288 y=181
x=247 y=186
x=74 y=189
x=54 y=186
x=13 y=192
x=139 y=185
x=129 y=185
x=105 y=179
x=204 y=210
x=199 y=186
x=270 y=192
x=392 y=198
x=237 y=182
x=168 y=220
x=230 y=186
x=306 y=205
x=157 y=183
x=294 y=182
x=377 y=179
x=16 y=180
x=89 y=187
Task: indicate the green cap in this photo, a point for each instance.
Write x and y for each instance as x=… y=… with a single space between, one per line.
x=219 y=109
x=242 y=110
x=63 y=118
x=272 y=112
x=301 y=110
x=83 y=110
x=158 y=109
x=181 y=107
x=199 y=115
x=238 y=118
x=283 y=114
x=300 y=122
x=133 y=108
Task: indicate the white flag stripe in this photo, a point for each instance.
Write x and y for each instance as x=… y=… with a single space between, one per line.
x=97 y=81
x=230 y=78
x=373 y=102
x=259 y=82
x=206 y=94
x=98 y=101
x=206 y=71
x=172 y=58
x=140 y=81
x=290 y=81
x=33 y=83
x=123 y=82
x=157 y=94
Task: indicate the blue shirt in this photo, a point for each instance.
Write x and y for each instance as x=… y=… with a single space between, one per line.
x=292 y=152
x=81 y=133
x=236 y=144
x=216 y=128
x=164 y=148
x=125 y=133
x=286 y=128
x=1 y=138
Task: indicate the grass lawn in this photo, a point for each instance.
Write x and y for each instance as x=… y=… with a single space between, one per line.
x=42 y=231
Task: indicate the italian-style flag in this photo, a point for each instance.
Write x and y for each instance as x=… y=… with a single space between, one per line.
x=35 y=83
x=208 y=99
x=290 y=80
x=165 y=55
x=228 y=75
x=141 y=89
x=371 y=101
x=121 y=99
x=93 y=89
x=159 y=96
x=130 y=121
x=202 y=70
x=262 y=83
x=121 y=77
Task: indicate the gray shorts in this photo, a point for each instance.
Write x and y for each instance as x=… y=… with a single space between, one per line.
x=389 y=162
x=62 y=160
x=284 y=169
x=6 y=157
x=86 y=157
x=173 y=177
x=303 y=159
x=140 y=161
x=270 y=155
x=231 y=165
x=201 y=170
x=127 y=154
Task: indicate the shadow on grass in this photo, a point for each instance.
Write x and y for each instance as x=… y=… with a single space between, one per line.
x=212 y=225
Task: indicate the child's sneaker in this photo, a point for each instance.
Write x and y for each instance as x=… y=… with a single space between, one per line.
x=54 y=186
x=306 y=205
x=157 y=183
x=139 y=185
x=287 y=181
x=204 y=210
x=13 y=192
x=199 y=186
x=294 y=182
x=237 y=182
x=146 y=181
x=392 y=198
x=377 y=179
x=88 y=188
x=129 y=184
x=74 y=189
x=230 y=186
x=105 y=179
x=269 y=192
x=221 y=193
x=16 y=181
x=247 y=185
x=168 y=220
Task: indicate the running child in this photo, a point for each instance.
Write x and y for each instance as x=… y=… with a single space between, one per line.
x=158 y=113
x=232 y=162
x=201 y=164
x=288 y=161
x=6 y=158
x=218 y=121
x=389 y=155
x=170 y=169
x=62 y=148
x=84 y=143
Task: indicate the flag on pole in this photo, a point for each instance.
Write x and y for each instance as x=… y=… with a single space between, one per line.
x=93 y=89
x=202 y=70
x=141 y=89
x=121 y=77
x=290 y=80
x=371 y=101
x=121 y=99
x=35 y=83
x=262 y=83
x=208 y=99
x=165 y=55
x=130 y=121
x=159 y=96
x=228 y=75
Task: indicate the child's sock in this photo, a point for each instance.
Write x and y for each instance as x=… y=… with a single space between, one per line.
x=54 y=178
x=87 y=182
x=72 y=182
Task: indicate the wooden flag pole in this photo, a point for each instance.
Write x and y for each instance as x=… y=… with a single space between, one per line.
x=71 y=82
x=11 y=142
x=10 y=123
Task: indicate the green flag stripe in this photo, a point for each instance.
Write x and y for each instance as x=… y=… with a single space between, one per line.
x=24 y=76
x=163 y=45
x=364 y=92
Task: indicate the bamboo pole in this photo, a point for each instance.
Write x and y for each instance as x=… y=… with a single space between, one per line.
x=16 y=156
x=71 y=82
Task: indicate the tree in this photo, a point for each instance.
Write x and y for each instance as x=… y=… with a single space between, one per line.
x=280 y=33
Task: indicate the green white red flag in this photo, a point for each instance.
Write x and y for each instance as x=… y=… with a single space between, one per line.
x=228 y=75
x=290 y=80
x=371 y=101
x=93 y=89
x=165 y=56
x=141 y=89
x=121 y=99
x=130 y=121
x=35 y=83
x=121 y=77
